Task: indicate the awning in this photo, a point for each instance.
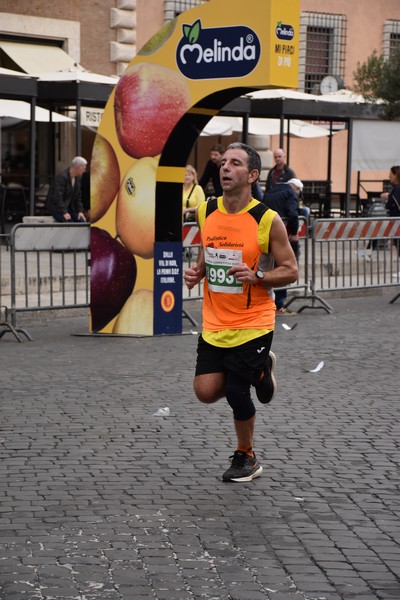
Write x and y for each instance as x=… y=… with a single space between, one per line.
x=18 y=109
x=76 y=74
x=15 y=84
x=12 y=73
x=37 y=58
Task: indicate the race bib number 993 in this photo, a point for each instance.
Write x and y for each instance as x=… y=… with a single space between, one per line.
x=218 y=262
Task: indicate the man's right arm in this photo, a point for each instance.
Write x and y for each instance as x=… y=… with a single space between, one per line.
x=195 y=273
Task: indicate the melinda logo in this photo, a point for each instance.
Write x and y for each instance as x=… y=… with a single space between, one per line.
x=217 y=52
x=284 y=32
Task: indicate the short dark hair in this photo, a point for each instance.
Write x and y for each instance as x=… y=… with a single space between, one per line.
x=396 y=171
x=254 y=160
x=217 y=148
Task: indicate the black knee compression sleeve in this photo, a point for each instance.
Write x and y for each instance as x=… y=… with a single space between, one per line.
x=237 y=391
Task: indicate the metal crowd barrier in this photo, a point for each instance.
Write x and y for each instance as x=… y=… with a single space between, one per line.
x=191 y=247
x=48 y=264
x=49 y=269
x=350 y=254
x=5 y=326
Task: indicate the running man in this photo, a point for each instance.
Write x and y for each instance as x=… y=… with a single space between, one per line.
x=240 y=238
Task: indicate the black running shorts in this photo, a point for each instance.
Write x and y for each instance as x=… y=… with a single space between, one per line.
x=247 y=360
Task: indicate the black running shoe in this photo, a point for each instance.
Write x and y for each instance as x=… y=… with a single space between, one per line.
x=243 y=468
x=266 y=389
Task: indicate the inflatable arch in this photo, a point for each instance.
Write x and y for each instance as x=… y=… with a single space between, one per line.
x=178 y=81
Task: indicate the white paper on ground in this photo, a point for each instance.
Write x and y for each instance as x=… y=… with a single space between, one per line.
x=162 y=412
x=318 y=367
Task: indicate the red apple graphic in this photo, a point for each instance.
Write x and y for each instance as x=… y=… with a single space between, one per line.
x=112 y=277
x=149 y=101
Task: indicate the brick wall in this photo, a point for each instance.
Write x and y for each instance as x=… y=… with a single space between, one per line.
x=94 y=16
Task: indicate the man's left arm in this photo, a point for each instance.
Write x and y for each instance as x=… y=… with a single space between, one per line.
x=286 y=270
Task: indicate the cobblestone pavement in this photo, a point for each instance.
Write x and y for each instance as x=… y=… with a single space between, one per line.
x=103 y=500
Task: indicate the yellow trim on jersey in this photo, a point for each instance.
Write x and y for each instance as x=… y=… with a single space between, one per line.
x=228 y=338
x=264 y=226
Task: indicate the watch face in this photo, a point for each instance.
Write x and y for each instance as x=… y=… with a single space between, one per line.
x=260 y=275
x=329 y=84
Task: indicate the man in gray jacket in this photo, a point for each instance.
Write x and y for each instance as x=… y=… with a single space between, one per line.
x=64 y=200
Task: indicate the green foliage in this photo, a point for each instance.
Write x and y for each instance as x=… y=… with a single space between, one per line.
x=379 y=80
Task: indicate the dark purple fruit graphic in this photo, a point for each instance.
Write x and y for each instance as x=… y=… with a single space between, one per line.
x=112 y=277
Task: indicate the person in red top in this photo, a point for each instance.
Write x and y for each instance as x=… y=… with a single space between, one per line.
x=241 y=238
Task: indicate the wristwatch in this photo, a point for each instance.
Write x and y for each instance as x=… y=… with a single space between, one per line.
x=259 y=275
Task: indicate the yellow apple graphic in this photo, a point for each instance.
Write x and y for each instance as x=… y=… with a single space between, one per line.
x=104 y=178
x=135 y=213
x=136 y=316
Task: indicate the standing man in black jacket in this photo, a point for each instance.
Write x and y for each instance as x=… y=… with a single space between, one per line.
x=211 y=170
x=64 y=200
x=284 y=199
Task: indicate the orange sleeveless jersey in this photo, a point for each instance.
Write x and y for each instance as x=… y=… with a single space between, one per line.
x=237 y=238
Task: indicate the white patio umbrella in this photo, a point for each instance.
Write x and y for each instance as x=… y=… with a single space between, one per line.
x=343 y=96
x=18 y=109
x=259 y=126
x=297 y=128
x=222 y=126
x=307 y=130
x=281 y=93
